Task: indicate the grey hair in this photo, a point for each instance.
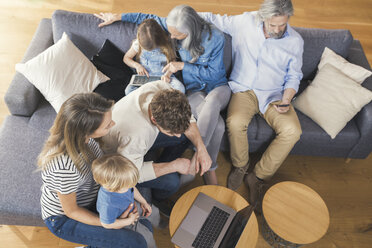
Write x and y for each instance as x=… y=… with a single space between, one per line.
x=270 y=8
x=187 y=21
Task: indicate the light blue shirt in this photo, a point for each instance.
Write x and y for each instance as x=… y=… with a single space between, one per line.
x=110 y=205
x=266 y=66
x=208 y=71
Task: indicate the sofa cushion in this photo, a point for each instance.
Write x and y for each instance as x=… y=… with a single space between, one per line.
x=355 y=72
x=315 y=40
x=315 y=141
x=19 y=181
x=332 y=99
x=109 y=60
x=61 y=71
x=43 y=117
x=84 y=32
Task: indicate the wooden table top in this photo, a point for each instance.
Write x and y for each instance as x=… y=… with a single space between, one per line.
x=295 y=212
x=223 y=195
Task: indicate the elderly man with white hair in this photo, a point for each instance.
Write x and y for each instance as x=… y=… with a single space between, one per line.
x=267 y=59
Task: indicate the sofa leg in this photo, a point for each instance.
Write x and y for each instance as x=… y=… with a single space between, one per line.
x=347 y=160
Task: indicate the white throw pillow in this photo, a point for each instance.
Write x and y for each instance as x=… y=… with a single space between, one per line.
x=332 y=99
x=355 y=72
x=61 y=71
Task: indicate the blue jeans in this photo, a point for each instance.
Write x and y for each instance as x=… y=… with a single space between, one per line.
x=166 y=185
x=93 y=236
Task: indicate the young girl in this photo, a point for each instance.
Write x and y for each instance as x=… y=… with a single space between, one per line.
x=69 y=191
x=153 y=50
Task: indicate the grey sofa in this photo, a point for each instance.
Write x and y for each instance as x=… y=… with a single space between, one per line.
x=23 y=133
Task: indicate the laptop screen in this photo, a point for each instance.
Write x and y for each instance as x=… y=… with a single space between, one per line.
x=236 y=227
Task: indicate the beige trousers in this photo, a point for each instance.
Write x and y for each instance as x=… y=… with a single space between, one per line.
x=243 y=106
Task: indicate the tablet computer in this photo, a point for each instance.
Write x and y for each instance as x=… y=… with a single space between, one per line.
x=139 y=80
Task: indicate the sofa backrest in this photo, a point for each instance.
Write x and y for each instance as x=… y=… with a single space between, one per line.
x=84 y=32
x=315 y=40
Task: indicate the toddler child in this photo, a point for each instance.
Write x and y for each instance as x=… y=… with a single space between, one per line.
x=153 y=50
x=117 y=176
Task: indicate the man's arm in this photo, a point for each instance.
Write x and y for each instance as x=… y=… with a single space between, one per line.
x=202 y=158
x=180 y=165
x=224 y=23
x=294 y=75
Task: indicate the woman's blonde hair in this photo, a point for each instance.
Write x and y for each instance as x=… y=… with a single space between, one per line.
x=80 y=116
x=150 y=35
x=115 y=172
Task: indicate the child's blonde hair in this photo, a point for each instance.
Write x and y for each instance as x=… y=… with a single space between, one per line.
x=150 y=35
x=115 y=172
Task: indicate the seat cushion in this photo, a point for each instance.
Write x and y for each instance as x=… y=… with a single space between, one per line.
x=20 y=183
x=315 y=141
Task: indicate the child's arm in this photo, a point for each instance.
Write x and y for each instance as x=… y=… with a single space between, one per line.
x=128 y=60
x=146 y=208
x=120 y=223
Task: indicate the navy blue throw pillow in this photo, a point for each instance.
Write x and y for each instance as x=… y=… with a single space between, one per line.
x=109 y=60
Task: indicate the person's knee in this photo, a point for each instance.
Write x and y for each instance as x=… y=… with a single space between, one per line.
x=220 y=128
x=292 y=132
x=236 y=124
x=139 y=240
x=172 y=183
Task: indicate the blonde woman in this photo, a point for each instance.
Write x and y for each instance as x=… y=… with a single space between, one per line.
x=69 y=190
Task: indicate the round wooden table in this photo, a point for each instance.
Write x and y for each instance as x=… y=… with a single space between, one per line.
x=223 y=195
x=294 y=215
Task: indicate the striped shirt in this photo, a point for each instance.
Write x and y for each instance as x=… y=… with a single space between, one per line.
x=61 y=175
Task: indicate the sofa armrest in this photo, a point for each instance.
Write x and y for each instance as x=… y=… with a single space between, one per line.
x=22 y=98
x=364 y=118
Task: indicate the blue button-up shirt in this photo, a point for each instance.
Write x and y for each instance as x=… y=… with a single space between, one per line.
x=208 y=71
x=266 y=66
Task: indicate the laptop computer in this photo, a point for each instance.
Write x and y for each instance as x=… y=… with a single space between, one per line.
x=211 y=224
x=139 y=80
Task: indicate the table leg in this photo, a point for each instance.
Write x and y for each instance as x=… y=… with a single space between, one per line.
x=273 y=239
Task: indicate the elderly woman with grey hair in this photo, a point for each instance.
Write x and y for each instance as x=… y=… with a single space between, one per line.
x=200 y=46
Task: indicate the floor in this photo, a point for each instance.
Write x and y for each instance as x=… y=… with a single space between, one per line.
x=345 y=187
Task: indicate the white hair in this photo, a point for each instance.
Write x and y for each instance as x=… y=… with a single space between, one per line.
x=187 y=21
x=270 y=8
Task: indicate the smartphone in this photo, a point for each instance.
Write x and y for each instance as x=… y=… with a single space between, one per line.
x=282 y=105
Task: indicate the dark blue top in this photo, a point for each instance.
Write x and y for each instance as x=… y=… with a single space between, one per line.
x=110 y=205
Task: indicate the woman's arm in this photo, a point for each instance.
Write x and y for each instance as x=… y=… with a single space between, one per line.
x=73 y=211
x=146 y=208
x=120 y=223
x=137 y=18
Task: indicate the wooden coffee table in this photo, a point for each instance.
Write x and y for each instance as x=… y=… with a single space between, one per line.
x=223 y=195
x=294 y=215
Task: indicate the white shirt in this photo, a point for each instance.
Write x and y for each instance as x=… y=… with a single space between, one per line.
x=266 y=66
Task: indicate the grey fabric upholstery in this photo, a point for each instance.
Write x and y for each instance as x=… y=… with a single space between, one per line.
x=84 y=32
x=22 y=97
x=21 y=138
x=19 y=182
x=315 y=40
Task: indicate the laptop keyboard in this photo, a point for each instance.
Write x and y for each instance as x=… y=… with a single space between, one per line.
x=211 y=228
